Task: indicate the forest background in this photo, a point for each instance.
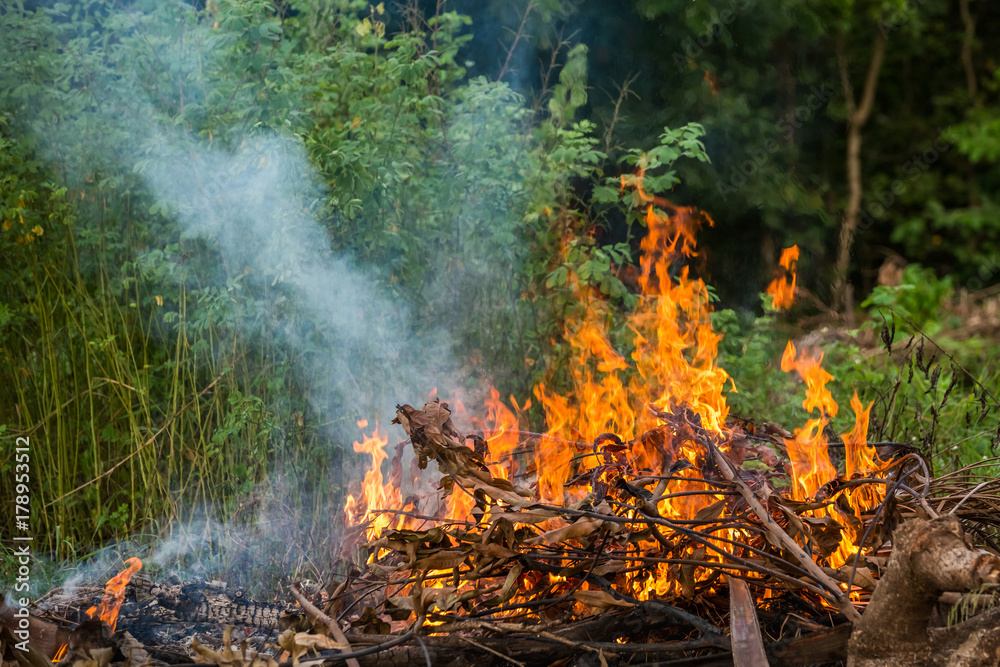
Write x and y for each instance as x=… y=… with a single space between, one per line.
x=231 y=230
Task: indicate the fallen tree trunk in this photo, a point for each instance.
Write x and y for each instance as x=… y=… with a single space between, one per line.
x=928 y=559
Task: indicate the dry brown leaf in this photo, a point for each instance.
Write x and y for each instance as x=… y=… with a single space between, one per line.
x=825 y=532
x=435 y=596
x=862 y=576
x=442 y=560
x=510 y=584
x=286 y=640
x=530 y=517
x=226 y=657
x=710 y=512
x=319 y=642
x=580 y=528
x=508 y=497
x=494 y=550
x=611 y=567
x=599 y=599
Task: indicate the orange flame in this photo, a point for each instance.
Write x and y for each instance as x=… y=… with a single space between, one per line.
x=782 y=288
x=114 y=594
x=810 y=370
x=811 y=467
x=376 y=494
x=502 y=436
x=61 y=653
x=672 y=367
x=859 y=455
x=808 y=450
x=860 y=459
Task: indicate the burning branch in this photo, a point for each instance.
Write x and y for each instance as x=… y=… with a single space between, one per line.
x=115 y=594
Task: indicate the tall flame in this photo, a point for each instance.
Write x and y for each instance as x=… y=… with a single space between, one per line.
x=502 y=435
x=782 y=288
x=114 y=594
x=376 y=494
x=674 y=353
x=809 y=452
x=811 y=467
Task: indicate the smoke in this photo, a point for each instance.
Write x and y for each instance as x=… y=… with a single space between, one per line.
x=254 y=205
x=258 y=207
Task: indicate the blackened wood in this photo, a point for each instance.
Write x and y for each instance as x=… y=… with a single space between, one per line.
x=199 y=603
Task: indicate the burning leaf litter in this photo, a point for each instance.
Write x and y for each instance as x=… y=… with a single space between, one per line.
x=640 y=491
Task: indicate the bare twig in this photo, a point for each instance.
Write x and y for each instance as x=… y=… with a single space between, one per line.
x=330 y=624
x=517 y=38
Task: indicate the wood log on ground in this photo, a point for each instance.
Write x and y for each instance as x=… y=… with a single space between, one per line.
x=929 y=557
x=201 y=603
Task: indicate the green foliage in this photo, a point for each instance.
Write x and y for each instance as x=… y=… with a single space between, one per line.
x=919 y=297
x=571 y=91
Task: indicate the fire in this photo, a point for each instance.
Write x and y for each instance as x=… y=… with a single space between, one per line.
x=811 y=467
x=811 y=371
x=625 y=415
x=672 y=365
x=782 y=288
x=859 y=459
x=375 y=493
x=809 y=452
x=860 y=456
x=61 y=653
x=114 y=594
x=502 y=435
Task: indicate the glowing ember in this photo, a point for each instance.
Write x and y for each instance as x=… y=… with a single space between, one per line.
x=114 y=594
x=782 y=288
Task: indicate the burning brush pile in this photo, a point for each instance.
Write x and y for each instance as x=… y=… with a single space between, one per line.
x=645 y=525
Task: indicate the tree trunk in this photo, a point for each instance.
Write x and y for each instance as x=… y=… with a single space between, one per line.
x=857 y=116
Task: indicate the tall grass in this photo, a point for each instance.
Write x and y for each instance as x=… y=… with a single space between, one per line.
x=143 y=418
